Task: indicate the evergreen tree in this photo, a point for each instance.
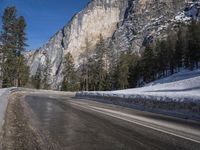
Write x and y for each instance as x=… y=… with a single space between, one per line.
x=46 y=73
x=12 y=43
x=193 y=52
x=92 y=74
x=37 y=79
x=22 y=69
x=83 y=68
x=162 y=57
x=23 y=74
x=69 y=76
x=9 y=42
x=179 y=49
x=112 y=65
x=159 y=67
x=134 y=70
x=148 y=68
x=123 y=71
x=170 y=55
x=100 y=53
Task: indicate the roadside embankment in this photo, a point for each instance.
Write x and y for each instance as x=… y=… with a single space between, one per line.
x=4 y=93
x=183 y=109
x=177 y=95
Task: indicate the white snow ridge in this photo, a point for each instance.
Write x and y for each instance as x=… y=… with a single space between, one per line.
x=177 y=94
x=4 y=93
x=183 y=86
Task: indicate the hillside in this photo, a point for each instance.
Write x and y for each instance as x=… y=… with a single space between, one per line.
x=183 y=86
x=125 y=24
x=177 y=95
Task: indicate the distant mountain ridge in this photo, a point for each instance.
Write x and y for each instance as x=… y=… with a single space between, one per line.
x=123 y=23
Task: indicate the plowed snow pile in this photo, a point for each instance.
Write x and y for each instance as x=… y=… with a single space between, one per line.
x=183 y=86
x=3 y=105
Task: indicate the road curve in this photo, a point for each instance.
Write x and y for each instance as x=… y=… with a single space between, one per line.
x=62 y=122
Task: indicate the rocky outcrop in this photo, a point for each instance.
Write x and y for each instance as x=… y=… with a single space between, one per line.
x=125 y=23
x=144 y=21
x=99 y=17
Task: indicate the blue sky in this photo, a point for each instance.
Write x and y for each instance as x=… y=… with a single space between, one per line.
x=44 y=17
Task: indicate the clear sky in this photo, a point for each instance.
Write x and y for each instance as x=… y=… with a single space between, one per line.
x=44 y=17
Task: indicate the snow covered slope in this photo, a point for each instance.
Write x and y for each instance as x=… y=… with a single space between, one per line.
x=183 y=86
x=177 y=95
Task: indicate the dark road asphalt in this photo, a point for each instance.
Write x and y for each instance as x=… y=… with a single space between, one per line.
x=65 y=123
x=75 y=124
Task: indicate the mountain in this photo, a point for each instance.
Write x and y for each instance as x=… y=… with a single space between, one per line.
x=123 y=23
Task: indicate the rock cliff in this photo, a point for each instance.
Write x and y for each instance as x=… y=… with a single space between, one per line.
x=125 y=23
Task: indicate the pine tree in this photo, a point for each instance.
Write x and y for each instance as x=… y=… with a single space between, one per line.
x=134 y=70
x=193 y=50
x=179 y=49
x=83 y=68
x=123 y=73
x=113 y=66
x=159 y=58
x=9 y=46
x=12 y=41
x=162 y=57
x=171 y=44
x=22 y=69
x=100 y=64
x=46 y=73
x=69 y=76
x=92 y=74
x=23 y=74
x=148 y=62
x=37 y=79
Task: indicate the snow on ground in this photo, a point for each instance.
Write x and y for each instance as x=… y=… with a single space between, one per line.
x=183 y=86
x=4 y=93
x=177 y=95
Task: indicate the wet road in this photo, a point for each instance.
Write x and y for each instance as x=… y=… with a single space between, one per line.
x=66 y=123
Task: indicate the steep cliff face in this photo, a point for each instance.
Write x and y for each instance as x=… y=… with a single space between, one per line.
x=99 y=17
x=126 y=23
x=144 y=21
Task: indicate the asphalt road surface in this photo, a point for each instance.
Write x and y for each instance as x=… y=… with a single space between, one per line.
x=53 y=121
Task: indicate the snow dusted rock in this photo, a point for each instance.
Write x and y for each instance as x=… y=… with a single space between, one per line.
x=142 y=21
x=124 y=23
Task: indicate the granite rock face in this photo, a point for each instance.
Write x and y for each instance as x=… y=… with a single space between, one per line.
x=99 y=17
x=125 y=23
x=144 y=20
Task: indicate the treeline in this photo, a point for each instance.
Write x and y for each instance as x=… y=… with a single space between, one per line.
x=13 y=69
x=109 y=69
x=180 y=50
x=42 y=77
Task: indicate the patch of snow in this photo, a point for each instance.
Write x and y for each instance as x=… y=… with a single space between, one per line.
x=182 y=18
x=4 y=93
x=182 y=86
x=167 y=95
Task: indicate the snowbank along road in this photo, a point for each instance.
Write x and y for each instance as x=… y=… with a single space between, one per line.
x=177 y=95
